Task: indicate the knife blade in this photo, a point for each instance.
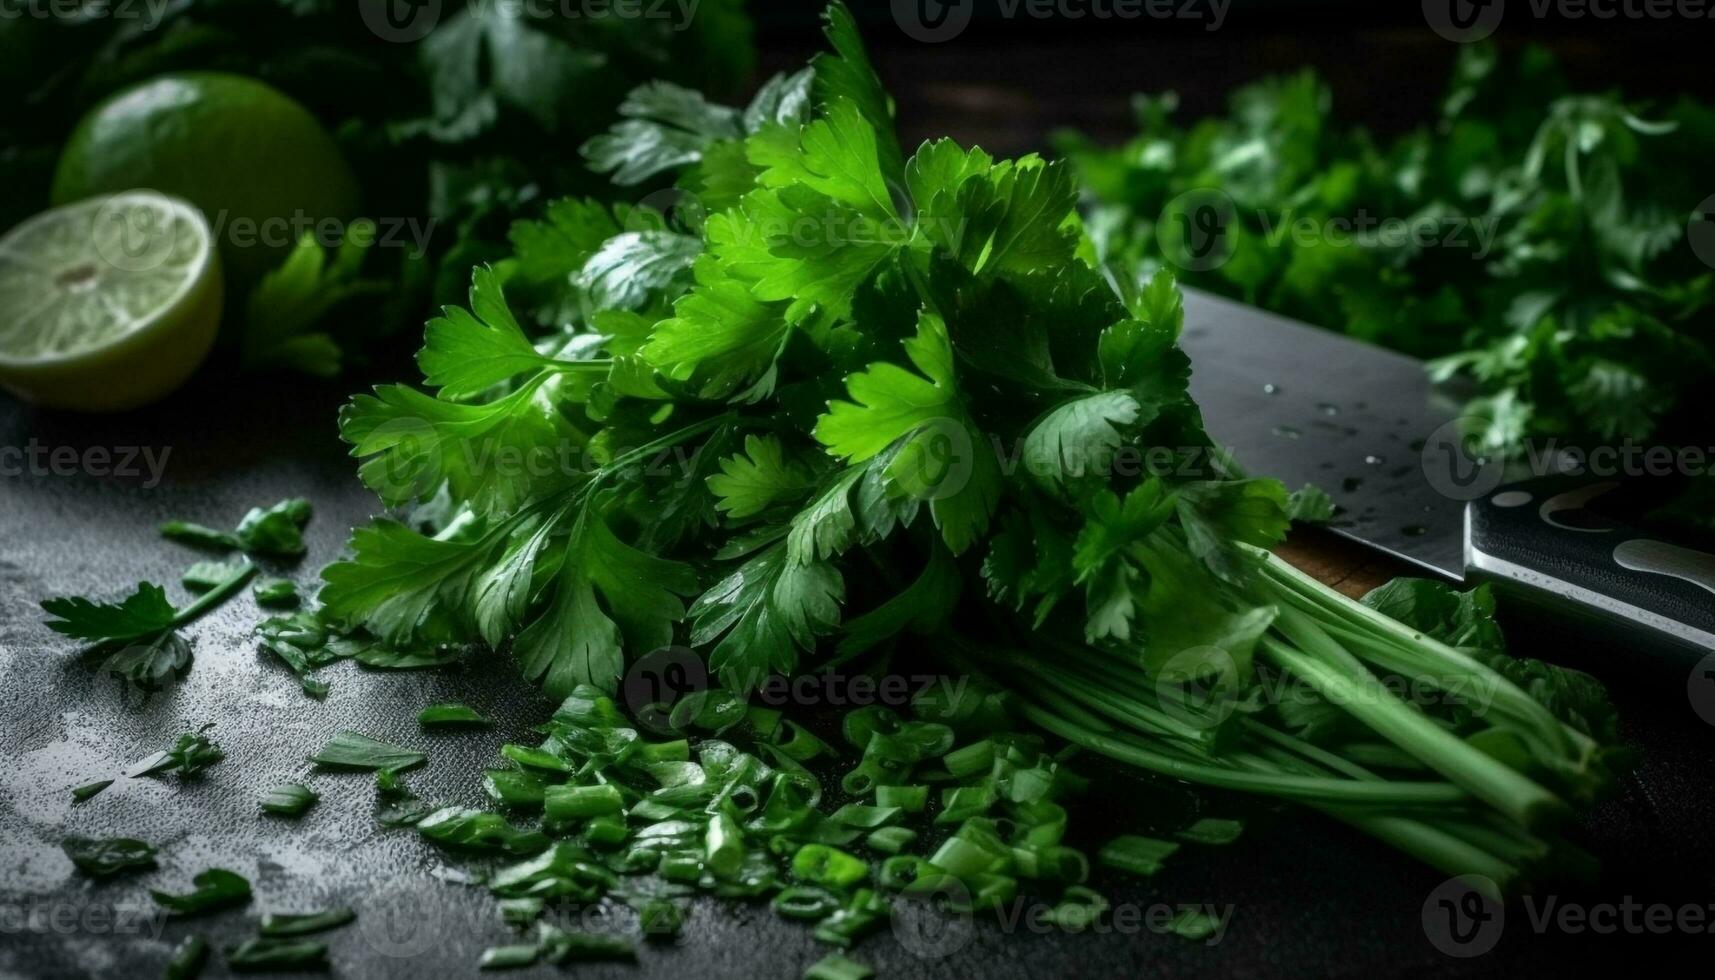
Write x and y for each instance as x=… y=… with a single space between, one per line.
x=1310 y=406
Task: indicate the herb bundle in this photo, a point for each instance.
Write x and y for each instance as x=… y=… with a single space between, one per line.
x=835 y=397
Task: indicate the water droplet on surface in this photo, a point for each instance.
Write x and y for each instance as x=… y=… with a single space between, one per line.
x=1271 y=389
x=1373 y=460
x=1414 y=530
x=1287 y=432
x=1328 y=408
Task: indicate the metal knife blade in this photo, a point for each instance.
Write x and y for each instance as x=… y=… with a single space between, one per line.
x=1306 y=405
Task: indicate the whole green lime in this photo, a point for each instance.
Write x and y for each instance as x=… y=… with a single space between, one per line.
x=259 y=166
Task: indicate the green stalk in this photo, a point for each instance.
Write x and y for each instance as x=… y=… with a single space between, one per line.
x=1489 y=780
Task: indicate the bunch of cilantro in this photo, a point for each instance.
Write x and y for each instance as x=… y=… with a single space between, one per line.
x=832 y=403
x=1534 y=241
x=462 y=128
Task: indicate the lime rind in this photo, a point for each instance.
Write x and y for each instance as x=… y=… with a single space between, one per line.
x=85 y=277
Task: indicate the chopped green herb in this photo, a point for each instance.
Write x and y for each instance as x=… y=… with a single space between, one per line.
x=216 y=889
x=277 y=531
x=462 y=827
x=109 y=857
x=891 y=840
x=189 y=756
x=830 y=866
x=280 y=924
x=289 y=800
x=449 y=714
x=560 y=946
x=1211 y=830
x=1194 y=923
x=198 y=536
x=89 y=790
x=350 y=750
x=263 y=955
x=188 y=959
x=276 y=593
x=396 y=805
x=508 y=957
x=661 y=919
x=206 y=575
x=565 y=803
x=521 y=911
x=835 y=966
x=1141 y=856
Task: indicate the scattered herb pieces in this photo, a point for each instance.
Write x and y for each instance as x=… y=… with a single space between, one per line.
x=198 y=536
x=449 y=714
x=350 y=750
x=206 y=575
x=216 y=889
x=265 y=955
x=188 y=959
x=836 y=966
x=479 y=830
x=109 y=857
x=1141 y=856
x=276 y=593
x=289 y=800
x=277 y=531
x=1211 y=830
x=192 y=753
x=281 y=924
x=89 y=790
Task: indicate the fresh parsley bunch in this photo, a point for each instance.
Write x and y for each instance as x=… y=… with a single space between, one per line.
x=1538 y=244
x=832 y=395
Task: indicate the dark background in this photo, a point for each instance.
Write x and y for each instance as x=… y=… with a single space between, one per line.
x=1312 y=899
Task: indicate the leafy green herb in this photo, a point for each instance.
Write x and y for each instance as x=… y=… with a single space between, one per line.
x=350 y=750
x=1532 y=239
x=1211 y=830
x=89 y=790
x=289 y=800
x=108 y=857
x=265 y=955
x=450 y=714
x=806 y=446
x=139 y=634
x=508 y=957
x=282 y=924
x=286 y=307
x=396 y=805
x=216 y=889
x=188 y=756
x=277 y=531
x=276 y=593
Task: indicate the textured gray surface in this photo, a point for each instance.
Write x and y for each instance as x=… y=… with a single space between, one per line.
x=1309 y=898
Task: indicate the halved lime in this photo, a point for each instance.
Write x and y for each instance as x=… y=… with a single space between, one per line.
x=111 y=303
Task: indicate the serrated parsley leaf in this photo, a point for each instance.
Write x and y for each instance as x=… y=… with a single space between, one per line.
x=944 y=458
x=580 y=640
x=141 y=614
x=351 y=750
x=761 y=615
x=720 y=339
x=467 y=353
x=759 y=478
x=666 y=127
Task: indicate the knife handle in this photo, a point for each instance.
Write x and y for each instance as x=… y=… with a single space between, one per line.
x=1538 y=541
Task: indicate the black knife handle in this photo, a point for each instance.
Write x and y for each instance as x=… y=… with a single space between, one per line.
x=1538 y=541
